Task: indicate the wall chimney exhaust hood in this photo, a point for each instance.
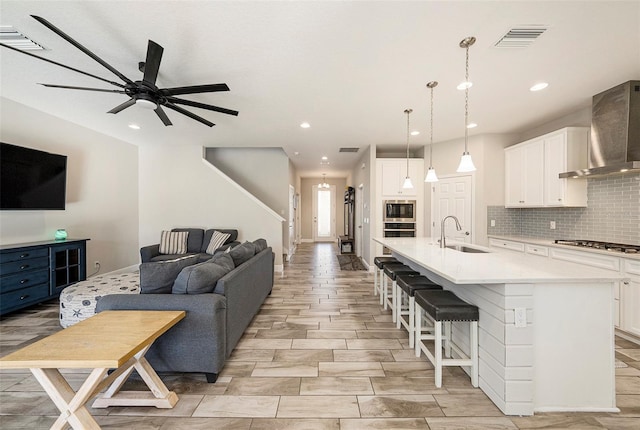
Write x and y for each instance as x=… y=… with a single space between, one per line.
x=614 y=146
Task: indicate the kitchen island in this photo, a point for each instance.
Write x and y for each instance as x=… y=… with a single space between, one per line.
x=558 y=354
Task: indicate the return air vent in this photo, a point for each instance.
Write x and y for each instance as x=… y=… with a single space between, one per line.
x=520 y=37
x=348 y=149
x=12 y=37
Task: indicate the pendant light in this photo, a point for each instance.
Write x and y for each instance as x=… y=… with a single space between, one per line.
x=431 y=172
x=466 y=164
x=407 y=185
x=323 y=184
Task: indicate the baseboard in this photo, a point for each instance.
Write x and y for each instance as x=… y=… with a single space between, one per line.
x=627 y=336
x=278 y=267
x=128 y=269
x=306 y=240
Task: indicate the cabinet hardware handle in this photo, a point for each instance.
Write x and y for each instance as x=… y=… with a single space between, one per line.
x=24 y=266
x=24 y=281
x=559 y=200
x=24 y=255
x=24 y=297
x=625 y=282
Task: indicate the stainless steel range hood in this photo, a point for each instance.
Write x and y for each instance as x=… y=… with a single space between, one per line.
x=615 y=132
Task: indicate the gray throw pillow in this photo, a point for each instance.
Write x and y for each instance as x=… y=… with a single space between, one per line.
x=260 y=245
x=242 y=253
x=201 y=278
x=157 y=277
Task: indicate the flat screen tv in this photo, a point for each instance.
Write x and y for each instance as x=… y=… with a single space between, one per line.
x=31 y=179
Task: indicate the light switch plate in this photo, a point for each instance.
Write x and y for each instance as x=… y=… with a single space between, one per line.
x=493 y=223
x=552 y=225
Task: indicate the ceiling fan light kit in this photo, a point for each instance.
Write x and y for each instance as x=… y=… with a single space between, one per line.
x=143 y=93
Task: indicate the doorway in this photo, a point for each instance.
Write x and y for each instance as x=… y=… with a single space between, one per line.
x=324 y=214
x=453 y=195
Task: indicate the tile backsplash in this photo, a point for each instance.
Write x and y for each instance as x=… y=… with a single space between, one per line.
x=612 y=214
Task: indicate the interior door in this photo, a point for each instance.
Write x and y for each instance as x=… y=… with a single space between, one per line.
x=453 y=196
x=324 y=214
x=292 y=220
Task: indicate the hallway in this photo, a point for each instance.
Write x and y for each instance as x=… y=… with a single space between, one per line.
x=321 y=354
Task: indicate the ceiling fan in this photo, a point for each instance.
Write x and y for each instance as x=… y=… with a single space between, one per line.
x=142 y=93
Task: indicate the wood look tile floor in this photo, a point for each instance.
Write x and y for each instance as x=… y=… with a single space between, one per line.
x=321 y=354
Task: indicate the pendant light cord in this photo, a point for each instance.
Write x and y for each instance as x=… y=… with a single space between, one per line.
x=431 y=131
x=466 y=103
x=408 y=112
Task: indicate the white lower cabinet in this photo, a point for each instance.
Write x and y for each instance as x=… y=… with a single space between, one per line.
x=630 y=296
x=506 y=244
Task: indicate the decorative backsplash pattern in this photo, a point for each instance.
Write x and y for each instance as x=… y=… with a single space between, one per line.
x=612 y=215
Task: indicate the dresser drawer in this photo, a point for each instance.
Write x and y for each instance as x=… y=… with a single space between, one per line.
x=19 y=298
x=23 y=255
x=23 y=280
x=24 y=265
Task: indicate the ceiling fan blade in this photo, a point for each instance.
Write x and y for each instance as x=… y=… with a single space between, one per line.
x=117 y=84
x=80 y=47
x=82 y=88
x=189 y=114
x=152 y=63
x=123 y=106
x=176 y=100
x=163 y=116
x=194 y=89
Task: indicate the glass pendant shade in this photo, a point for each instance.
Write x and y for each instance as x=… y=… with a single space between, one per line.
x=431 y=175
x=466 y=163
x=407 y=183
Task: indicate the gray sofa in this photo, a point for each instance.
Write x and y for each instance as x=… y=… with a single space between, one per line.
x=197 y=242
x=214 y=323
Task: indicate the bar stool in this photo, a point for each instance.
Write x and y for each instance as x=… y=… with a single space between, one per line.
x=377 y=273
x=407 y=286
x=391 y=271
x=445 y=306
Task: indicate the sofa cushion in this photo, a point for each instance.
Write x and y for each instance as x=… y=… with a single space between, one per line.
x=260 y=244
x=201 y=278
x=217 y=240
x=173 y=242
x=242 y=253
x=157 y=277
x=209 y=233
x=194 y=241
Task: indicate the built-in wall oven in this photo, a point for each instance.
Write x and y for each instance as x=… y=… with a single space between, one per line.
x=399 y=211
x=399 y=219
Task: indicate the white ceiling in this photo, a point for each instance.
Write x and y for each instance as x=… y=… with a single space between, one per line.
x=348 y=68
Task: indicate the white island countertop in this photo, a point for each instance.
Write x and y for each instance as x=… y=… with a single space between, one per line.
x=492 y=267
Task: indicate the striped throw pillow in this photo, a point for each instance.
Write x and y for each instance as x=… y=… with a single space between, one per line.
x=217 y=240
x=173 y=242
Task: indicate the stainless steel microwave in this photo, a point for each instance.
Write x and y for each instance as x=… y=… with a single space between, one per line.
x=399 y=210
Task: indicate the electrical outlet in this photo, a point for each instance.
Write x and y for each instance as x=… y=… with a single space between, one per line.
x=96 y=264
x=552 y=225
x=493 y=223
x=520 y=317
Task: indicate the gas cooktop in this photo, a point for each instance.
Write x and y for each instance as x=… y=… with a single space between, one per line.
x=605 y=246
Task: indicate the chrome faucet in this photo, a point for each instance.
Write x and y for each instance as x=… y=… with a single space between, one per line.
x=443 y=242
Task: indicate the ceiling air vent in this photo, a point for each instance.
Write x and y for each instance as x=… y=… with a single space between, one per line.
x=520 y=37
x=12 y=37
x=348 y=149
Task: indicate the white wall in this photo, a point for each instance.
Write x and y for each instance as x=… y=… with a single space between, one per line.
x=102 y=187
x=181 y=189
x=361 y=174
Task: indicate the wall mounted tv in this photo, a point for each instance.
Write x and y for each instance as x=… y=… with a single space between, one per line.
x=31 y=179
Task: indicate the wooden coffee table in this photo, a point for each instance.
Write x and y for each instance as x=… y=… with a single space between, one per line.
x=109 y=340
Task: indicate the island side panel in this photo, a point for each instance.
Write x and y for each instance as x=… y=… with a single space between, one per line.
x=574 y=347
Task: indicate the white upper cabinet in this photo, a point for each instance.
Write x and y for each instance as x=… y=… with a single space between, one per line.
x=524 y=169
x=393 y=172
x=532 y=169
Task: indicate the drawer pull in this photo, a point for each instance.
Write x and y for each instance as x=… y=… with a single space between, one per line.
x=24 y=266
x=26 y=296
x=24 y=255
x=24 y=281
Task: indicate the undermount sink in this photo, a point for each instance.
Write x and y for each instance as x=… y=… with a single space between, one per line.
x=463 y=248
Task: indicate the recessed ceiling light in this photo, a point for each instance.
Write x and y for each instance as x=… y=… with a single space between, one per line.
x=134 y=126
x=472 y=125
x=539 y=86
x=464 y=85
x=305 y=125
x=324 y=157
x=415 y=133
